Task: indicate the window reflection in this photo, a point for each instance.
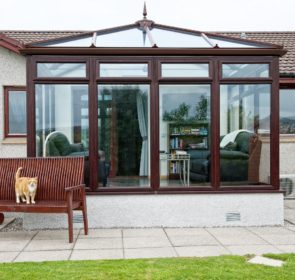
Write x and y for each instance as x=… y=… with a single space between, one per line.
x=184 y=135
x=185 y=70
x=123 y=119
x=245 y=134
x=245 y=70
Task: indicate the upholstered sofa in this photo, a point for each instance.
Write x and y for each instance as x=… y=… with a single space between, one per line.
x=239 y=161
x=57 y=144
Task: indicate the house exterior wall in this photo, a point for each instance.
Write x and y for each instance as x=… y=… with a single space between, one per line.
x=198 y=210
x=12 y=73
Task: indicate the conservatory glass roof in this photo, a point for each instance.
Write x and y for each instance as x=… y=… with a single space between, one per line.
x=147 y=34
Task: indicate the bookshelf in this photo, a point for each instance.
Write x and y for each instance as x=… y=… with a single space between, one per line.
x=188 y=136
x=183 y=137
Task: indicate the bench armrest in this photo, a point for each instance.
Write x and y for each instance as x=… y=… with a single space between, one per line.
x=73 y=188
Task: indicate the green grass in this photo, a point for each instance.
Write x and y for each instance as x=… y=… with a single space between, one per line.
x=224 y=267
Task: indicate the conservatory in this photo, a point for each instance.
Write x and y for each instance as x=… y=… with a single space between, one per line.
x=158 y=109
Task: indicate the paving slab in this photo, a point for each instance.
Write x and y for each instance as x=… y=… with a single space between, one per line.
x=266 y=261
x=17 y=235
x=286 y=248
x=289 y=204
x=97 y=254
x=289 y=215
x=146 y=242
x=236 y=236
x=48 y=245
x=193 y=240
x=201 y=251
x=40 y=256
x=8 y=256
x=270 y=230
x=290 y=227
x=96 y=233
x=55 y=234
x=253 y=249
x=277 y=239
x=12 y=245
x=139 y=253
x=99 y=243
x=143 y=232
x=185 y=231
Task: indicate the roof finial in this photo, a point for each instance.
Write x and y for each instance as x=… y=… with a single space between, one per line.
x=144 y=11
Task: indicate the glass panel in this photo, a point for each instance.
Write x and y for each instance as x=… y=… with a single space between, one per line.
x=62 y=122
x=287 y=115
x=126 y=38
x=166 y=38
x=184 y=135
x=81 y=42
x=287 y=143
x=245 y=70
x=185 y=70
x=245 y=134
x=228 y=43
x=123 y=70
x=57 y=70
x=124 y=135
x=17 y=112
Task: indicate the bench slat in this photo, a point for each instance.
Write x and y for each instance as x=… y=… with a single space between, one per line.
x=40 y=206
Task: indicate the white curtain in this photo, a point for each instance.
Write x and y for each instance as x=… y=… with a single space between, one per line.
x=143 y=127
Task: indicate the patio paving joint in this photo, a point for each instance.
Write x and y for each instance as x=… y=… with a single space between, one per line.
x=23 y=249
x=269 y=243
x=220 y=243
x=174 y=249
x=75 y=241
x=123 y=246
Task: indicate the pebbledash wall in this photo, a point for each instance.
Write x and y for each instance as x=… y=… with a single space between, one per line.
x=12 y=73
x=169 y=210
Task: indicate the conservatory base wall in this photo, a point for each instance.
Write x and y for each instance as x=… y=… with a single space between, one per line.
x=195 y=210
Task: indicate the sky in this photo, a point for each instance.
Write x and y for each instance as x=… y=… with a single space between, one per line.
x=204 y=15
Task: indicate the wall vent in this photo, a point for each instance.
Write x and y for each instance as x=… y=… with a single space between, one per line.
x=77 y=219
x=233 y=216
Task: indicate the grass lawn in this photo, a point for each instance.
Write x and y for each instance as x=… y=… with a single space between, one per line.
x=224 y=267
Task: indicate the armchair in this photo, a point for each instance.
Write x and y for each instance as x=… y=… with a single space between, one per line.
x=57 y=144
x=239 y=161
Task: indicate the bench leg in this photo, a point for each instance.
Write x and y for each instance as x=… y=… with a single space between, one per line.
x=70 y=222
x=1 y=218
x=85 y=220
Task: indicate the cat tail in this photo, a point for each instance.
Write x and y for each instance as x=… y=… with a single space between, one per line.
x=17 y=174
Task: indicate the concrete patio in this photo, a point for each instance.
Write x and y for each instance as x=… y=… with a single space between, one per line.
x=20 y=246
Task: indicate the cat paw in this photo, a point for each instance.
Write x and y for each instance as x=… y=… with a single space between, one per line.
x=33 y=202
x=28 y=202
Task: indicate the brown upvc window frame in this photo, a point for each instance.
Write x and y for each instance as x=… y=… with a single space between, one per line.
x=246 y=60
x=7 y=90
x=154 y=79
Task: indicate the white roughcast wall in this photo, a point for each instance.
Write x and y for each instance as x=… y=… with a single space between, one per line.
x=202 y=210
x=12 y=73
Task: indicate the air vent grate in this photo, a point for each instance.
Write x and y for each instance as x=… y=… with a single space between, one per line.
x=233 y=216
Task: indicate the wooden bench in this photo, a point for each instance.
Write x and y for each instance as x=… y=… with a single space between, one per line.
x=60 y=187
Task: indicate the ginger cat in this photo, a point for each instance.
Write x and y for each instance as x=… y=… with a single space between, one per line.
x=25 y=188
